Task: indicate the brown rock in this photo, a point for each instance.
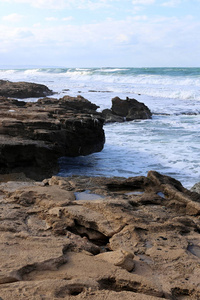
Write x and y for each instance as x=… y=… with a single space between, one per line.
x=126 y=110
x=35 y=135
x=119 y=258
x=50 y=243
x=23 y=89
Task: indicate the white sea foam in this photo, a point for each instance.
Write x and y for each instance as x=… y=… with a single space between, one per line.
x=112 y=70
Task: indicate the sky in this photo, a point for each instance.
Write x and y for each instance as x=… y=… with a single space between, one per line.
x=100 y=33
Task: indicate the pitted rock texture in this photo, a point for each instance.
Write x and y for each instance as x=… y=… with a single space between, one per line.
x=23 y=90
x=140 y=241
x=34 y=135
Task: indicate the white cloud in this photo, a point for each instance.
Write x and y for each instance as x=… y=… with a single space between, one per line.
x=128 y=39
x=61 y=4
x=52 y=4
x=171 y=3
x=140 y=18
x=149 y=31
x=51 y=19
x=92 y=5
x=67 y=18
x=143 y=2
x=13 y=38
x=13 y=18
x=122 y=38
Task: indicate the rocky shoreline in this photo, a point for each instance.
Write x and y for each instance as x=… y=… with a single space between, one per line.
x=88 y=237
x=35 y=134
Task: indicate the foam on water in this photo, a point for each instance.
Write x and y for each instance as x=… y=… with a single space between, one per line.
x=134 y=148
x=169 y=143
x=157 y=82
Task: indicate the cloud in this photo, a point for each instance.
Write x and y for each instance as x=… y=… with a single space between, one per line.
x=52 y=4
x=143 y=2
x=13 y=18
x=137 y=39
x=171 y=3
x=122 y=38
x=51 y=19
x=140 y=18
x=67 y=18
x=61 y=4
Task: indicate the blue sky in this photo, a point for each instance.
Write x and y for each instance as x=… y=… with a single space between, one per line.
x=100 y=33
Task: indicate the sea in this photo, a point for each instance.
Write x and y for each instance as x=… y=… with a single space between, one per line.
x=168 y=143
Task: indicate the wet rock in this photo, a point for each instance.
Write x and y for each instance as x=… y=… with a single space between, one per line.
x=126 y=110
x=110 y=117
x=35 y=135
x=76 y=104
x=23 y=89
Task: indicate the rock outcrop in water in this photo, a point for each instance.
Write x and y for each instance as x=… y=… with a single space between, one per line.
x=126 y=110
x=23 y=89
x=140 y=241
x=34 y=135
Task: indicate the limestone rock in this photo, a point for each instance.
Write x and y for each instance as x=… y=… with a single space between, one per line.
x=119 y=258
x=196 y=188
x=56 y=247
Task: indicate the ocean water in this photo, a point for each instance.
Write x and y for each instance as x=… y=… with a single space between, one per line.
x=168 y=143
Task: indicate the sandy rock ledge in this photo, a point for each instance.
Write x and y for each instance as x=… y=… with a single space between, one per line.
x=139 y=241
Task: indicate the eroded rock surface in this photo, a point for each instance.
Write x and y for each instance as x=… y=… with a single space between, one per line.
x=23 y=89
x=34 y=135
x=140 y=241
x=126 y=110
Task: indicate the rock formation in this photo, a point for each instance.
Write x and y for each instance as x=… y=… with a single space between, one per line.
x=23 y=89
x=139 y=241
x=126 y=110
x=196 y=188
x=135 y=239
x=35 y=135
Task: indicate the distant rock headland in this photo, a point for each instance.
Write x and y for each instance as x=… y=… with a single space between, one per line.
x=23 y=89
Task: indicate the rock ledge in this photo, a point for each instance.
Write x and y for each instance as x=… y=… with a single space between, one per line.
x=124 y=246
x=35 y=135
x=23 y=89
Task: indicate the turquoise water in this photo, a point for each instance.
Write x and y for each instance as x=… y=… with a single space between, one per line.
x=120 y=71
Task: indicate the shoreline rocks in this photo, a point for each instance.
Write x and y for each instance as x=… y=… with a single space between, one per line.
x=126 y=110
x=127 y=245
x=23 y=89
x=196 y=188
x=35 y=134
